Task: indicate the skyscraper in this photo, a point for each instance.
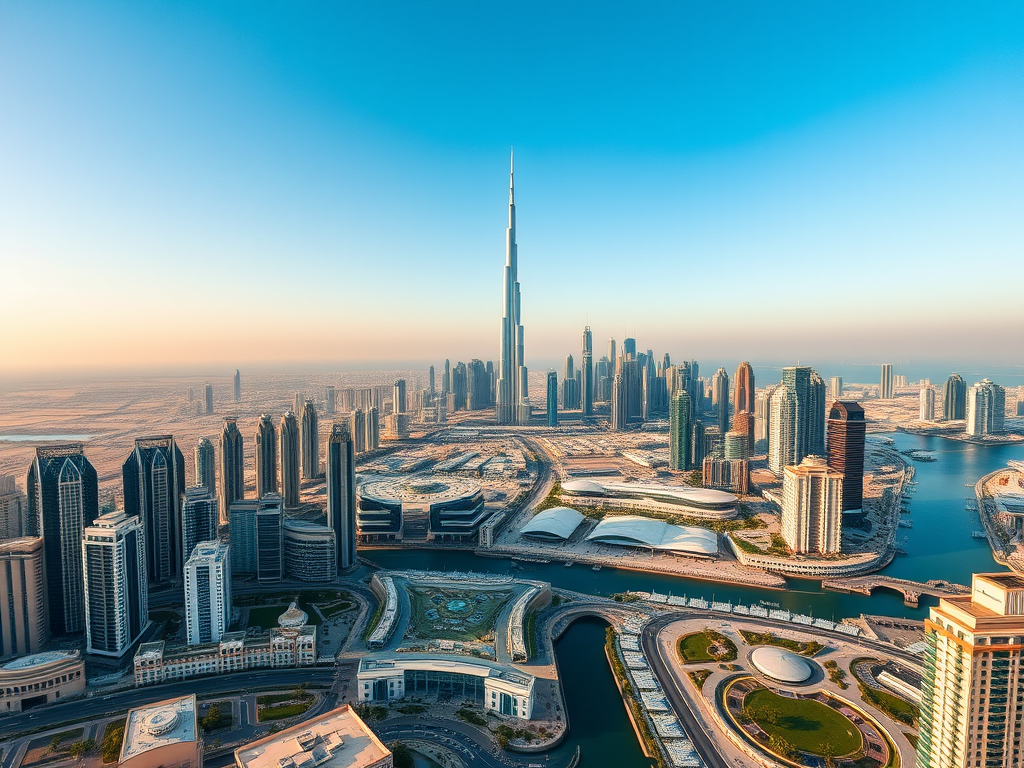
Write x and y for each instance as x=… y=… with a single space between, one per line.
x=927 y=404
x=13 y=509
x=430 y=382
x=743 y=389
x=954 y=399
x=570 y=394
x=309 y=437
x=679 y=431
x=199 y=518
x=232 y=471
x=587 y=379
x=206 y=463
x=372 y=429
x=835 y=389
x=973 y=655
x=552 y=403
x=265 y=456
x=812 y=507
x=478 y=386
x=341 y=494
x=816 y=407
x=113 y=553
x=209 y=398
x=885 y=386
x=23 y=619
x=846 y=430
x=154 y=480
x=238 y=385
x=629 y=348
x=357 y=428
x=782 y=425
x=299 y=402
x=289 y=450
x=208 y=593
x=797 y=378
x=270 y=538
x=400 y=401
x=619 y=417
x=986 y=408
x=720 y=399
x=332 y=401
x=512 y=363
x=242 y=535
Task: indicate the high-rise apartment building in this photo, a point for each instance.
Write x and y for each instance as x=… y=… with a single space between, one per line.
x=199 y=518
x=372 y=429
x=206 y=465
x=812 y=507
x=400 y=402
x=570 y=392
x=270 y=538
x=629 y=348
x=154 y=481
x=288 y=434
x=885 y=387
x=846 y=432
x=62 y=500
x=332 y=403
x=341 y=494
x=954 y=399
x=232 y=470
x=238 y=385
x=309 y=435
x=552 y=403
x=113 y=551
x=13 y=509
x=587 y=377
x=680 y=433
x=357 y=428
x=242 y=535
x=835 y=389
x=24 y=628
x=972 y=694
x=512 y=401
x=927 y=409
x=619 y=417
x=817 y=407
x=797 y=378
x=986 y=408
x=208 y=593
x=743 y=424
x=743 y=389
x=265 y=457
x=720 y=399
x=208 y=391
x=782 y=425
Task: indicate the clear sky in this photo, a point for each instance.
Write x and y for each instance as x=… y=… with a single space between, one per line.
x=209 y=184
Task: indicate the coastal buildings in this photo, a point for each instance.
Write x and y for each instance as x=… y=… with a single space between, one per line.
x=310 y=441
x=232 y=471
x=986 y=408
x=971 y=694
x=812 y=507
x=63 y=501
x=835 y=389
x=266 y=456
x=885 y=389
x=163 y=734
x=154 y=481
x=24 y=628
x=927 y=405
x=116 y=596
x=206 y=466
x=290 y=459
x=846 y=434
x=341 y=494
x=513 y=405
x=954 y=399
x=208 y=593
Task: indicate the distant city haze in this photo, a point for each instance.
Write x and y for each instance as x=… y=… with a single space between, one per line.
x=216 y=187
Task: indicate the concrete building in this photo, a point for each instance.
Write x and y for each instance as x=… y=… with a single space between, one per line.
x=24 y=628
x=163 y=735
x=63 y=501
x=290 y=459
x=954 y=399
x=552 y=399
x=13 y=509
x=310 y=439
x=41 y=678
x=835 y=389
x=971 y=691
x=400 y=401
x=208 y=391
x=885 y=386
x=232 y=469
x=208 y=593
x=116 y=595
x=587 y=374
x=238 y=385
x=727 y=474
x=782 y=428
x=619 y=415
x=265 y=457
x=206 y=466
x=242 y=532
x=927 y=405
x=986 y=408
x=372 y=429
x=336 y=739
x=199 y=518
x=812 y=507
x=679 y=431
x=154 y=481
x=341 y=494
x=270 y=538
x=332 y=399
x=357 y=428
x=846 y=432
x=720 y=399
x=310 y=552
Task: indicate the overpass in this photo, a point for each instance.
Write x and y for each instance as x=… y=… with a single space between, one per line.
x=911 y=590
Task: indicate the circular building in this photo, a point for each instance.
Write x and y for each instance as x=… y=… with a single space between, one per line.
x=293 y=617
x=781 y=665
x=556 y=524
x=454 y=508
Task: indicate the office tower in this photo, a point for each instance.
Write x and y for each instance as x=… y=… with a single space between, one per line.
x=460 y=387
x=798 y=379
x=885 y=387
x=629 y=367
x=927 y=404
x=310 y=553
x=309 y=437
x=762 y=419
x=232 y=471
x=816 y=409
x=478 y=386
x=298 y=402
x=116 y=598
x=265 y=457
x=430 y=382
x=629 y=348
x=743 y=389
x=270 y=538
x=696 y=457
x=491 y=381
x=971 y=696
x=743 y=423
x=714 y=444
x=372 y=429
x=782 y=430
x=238 y=385
x=206 y=462
x=23 y=617
x=812 y=507
x=612 y=357
x=62 y=501
x=587 y=378
x=154 y=480
x=835 y=389
x=986 y=408
x=618 y=416
x=199 y=518
x=290 y=459
x=242 y=535
x=954 y=399
x=735 y=445
x=552 y=399
x=569 y=385
x=846 y=430
x=720 y=398
x=208 y=592
x=357 y=428
x=13 y=509
x=446 y=378
x=331 y=398
x=208 y=398
x=512 y=361
x=341 y=494
x=400 y=403
x=679 y=431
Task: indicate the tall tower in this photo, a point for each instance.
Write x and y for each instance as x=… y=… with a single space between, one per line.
x=116 y=598
x=199 y=520
x=720 y=399
x=812 y=507
x=782 y=430
x=310 y=440
x=846 y=430
x=372 y=429
x=331 y=399
x=154 y=480
x=798 y=379
x=266 y=457
x=512 y=365
x=743 y=389
x=954 y=398
x=289 y=436
x=552 y=404
x=208 y=392
x=927 y=412
x=587 y=381
x=679 y=431
x=238 y=385
x=341 y=494
x=619 y=417
x=13 y=509
x=23 y=618
x=208 y=593
x=206 y=463
x=401 y=404
x=232 y=471
x=357 y=428
x=885 y=385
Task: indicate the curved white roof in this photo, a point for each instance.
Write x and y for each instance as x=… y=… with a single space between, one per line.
x=557 y=522
x=679 y=494
x=582 y=486
x=38 y=659
x=780 y=664
x=632 y=530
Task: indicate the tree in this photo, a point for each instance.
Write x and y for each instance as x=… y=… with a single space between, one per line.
x=780 y=746
x=113 y=737
x=81 y=748
x=211 y=719
x=55 y=742
x=401 y=754
x=829 y=753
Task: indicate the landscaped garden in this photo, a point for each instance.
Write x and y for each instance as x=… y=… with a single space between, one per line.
x=278 y=706
x=898 y=709
x=706 y=646
x=264 y=610
x=767 y=638
x=807 y=725
x=453 y=614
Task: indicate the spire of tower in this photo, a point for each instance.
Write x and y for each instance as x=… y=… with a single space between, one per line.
x=511 y=176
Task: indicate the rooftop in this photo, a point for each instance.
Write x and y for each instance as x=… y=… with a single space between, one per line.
x=39 y=659
x=557 y=522
x=780 y=664
x=172 y=721
x=338 y=739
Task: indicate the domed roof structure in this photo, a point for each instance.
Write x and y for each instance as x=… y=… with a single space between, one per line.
x=781 y=665
x=293 y=617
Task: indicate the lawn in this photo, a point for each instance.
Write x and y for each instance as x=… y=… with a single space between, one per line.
x=697 y=647
x=452 y=614
x=283 y=711
x=767 y=638
x=806 y=724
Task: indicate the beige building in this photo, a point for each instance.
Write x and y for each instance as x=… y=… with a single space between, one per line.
x=40 y=679
x=23 y=621
x=163 y=735
x=812 y=507
x=973 y=687
x=13 y=509
x=337 y=739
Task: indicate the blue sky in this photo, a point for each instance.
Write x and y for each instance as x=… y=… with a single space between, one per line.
x=321 y=182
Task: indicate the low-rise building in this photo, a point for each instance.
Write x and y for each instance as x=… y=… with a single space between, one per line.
x=163 y=735
x=40 y=679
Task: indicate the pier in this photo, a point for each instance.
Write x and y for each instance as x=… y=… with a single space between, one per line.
x=911 y=590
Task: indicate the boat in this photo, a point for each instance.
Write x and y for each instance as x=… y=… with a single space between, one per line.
x=979 y=535
x=906 y=523
x=596 y=568
x=568 y=563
